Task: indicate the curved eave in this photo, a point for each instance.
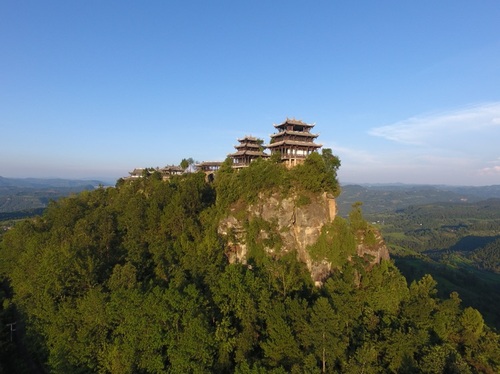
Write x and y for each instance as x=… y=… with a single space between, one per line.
x=249 y=139
x=243 y=146
x=295 y=123
x=248 y=153
x=294 y=143
x=296 y=133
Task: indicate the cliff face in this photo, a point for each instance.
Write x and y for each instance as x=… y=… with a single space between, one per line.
x=296 y=224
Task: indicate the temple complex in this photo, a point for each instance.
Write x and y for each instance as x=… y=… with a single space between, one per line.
x=249 y=149
x=293 y=141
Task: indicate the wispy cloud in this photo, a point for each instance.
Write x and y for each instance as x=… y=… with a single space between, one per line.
x=353 y=154
x=455 y=147
x=427 y=130
x=494 y=170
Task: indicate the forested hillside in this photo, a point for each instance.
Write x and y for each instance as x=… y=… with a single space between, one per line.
x=459 y=243
x=384 y=198
x=135 y=279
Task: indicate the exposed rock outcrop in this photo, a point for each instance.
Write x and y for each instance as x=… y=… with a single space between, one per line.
x=376 y=252
x=298 y=222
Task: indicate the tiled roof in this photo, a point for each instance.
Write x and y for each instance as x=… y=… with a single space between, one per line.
x=248 y=145
x=249 y=139
x=172 y=168
x=294 y=142
x=209 y=163
x=249 y=153
x=136 y=171
x=294 y=121
x=296 y=133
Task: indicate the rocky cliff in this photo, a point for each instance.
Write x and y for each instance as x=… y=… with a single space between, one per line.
x=291 y=223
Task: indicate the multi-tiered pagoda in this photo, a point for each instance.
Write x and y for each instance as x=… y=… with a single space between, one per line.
x=249 y=149
x=293 y=141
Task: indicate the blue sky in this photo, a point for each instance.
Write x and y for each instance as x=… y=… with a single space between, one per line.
x=401 y=91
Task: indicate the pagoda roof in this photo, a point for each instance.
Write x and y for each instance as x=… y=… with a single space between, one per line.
x=297 y=133
x=294 y=142
x=248 y=145
x=140 y=171
x=136 y=171
x=172 y=168
x=294 y=121
x=249 y=153
x=249 y=138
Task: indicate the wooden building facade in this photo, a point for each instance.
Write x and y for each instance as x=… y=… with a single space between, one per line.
x=170 y=170
x=293 y=141
x=248 y=150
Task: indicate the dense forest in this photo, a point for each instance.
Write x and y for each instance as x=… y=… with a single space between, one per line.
x=457 y=242
x=135 y=279
x=388 y=198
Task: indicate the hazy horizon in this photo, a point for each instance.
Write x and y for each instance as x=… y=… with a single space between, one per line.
x=401 y=92
x=112 y=181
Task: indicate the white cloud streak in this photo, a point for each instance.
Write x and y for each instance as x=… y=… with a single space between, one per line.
x=428 y=130
x=353 y=154
x=495 y=170
x=457 y=147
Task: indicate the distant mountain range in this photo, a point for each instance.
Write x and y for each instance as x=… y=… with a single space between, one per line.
x=47 y=183
x=27 y=194
x=389 y=197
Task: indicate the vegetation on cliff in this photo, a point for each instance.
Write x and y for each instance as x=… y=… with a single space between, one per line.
x=135 y=279
x=317 y=174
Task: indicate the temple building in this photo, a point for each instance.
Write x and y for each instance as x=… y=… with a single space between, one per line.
x=170 y=170
x=209 y=168
x=139 y=173
x=136 y=173
x=249 y=149
x=293 y=141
